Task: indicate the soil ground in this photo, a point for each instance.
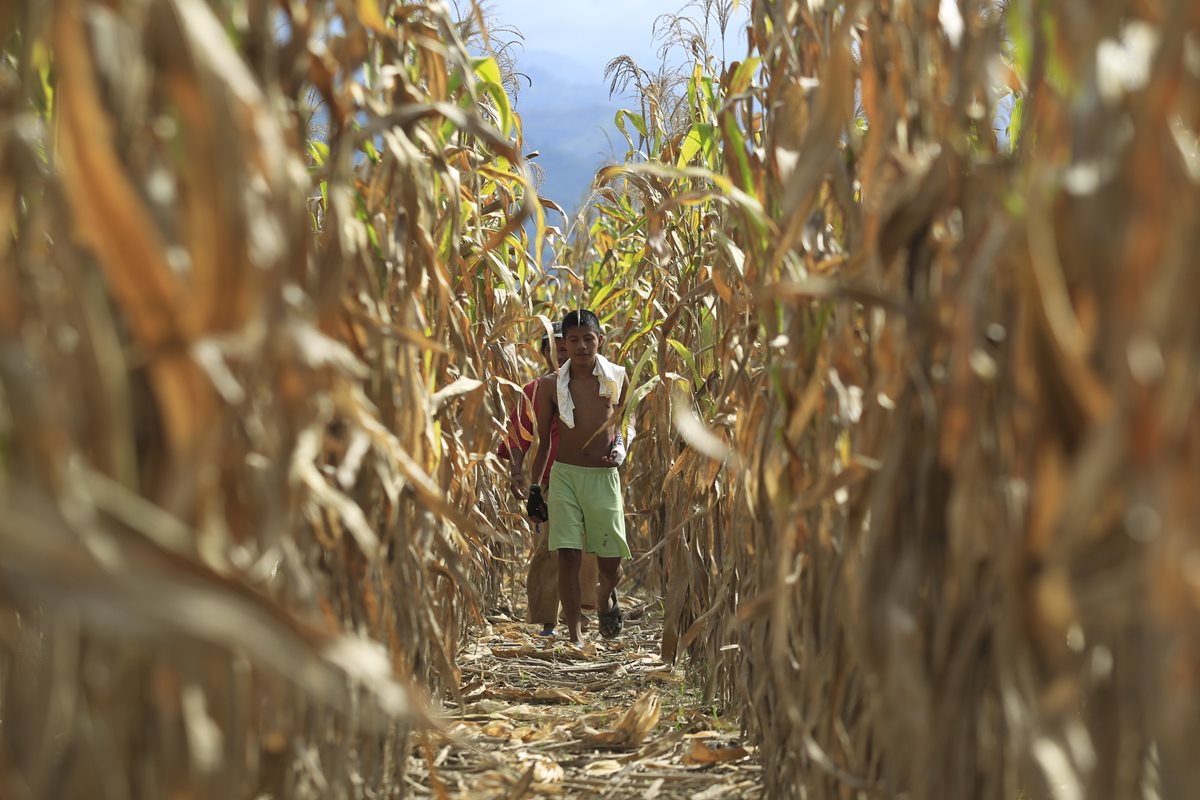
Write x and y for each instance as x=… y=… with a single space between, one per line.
x=538 y=717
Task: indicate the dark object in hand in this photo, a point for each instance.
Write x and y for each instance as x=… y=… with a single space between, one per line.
x=535 y=505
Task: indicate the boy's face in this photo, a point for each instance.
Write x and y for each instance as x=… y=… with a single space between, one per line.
x=583 y=344
x=560 y=347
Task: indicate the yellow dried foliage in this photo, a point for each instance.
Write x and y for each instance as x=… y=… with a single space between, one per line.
x=908 y=296
x=257 y=307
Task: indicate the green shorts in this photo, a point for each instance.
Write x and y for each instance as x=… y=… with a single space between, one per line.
x=587 y=499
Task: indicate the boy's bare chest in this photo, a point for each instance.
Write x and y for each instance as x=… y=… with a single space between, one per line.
x=589 y=405
x=581 y=443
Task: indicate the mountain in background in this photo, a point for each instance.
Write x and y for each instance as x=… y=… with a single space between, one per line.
x=568 y=119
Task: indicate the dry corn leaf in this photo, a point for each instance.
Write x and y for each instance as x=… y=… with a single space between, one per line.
x=368 y=15
x=542 y=694
x=632 y=727
x=557 y=654
x=700 y=753
x=498 y=729
x=547 y=771
x=665 y=675
x=603 y=768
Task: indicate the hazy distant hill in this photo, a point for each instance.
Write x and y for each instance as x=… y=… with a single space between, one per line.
x=566 y=113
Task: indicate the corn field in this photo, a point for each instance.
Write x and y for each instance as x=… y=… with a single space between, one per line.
x=907 y=299
x=245 y=515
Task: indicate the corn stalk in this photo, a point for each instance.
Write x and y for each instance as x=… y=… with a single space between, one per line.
x=917 y=384
x=244 y=343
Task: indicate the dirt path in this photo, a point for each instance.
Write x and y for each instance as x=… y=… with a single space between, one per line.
x=540 y=718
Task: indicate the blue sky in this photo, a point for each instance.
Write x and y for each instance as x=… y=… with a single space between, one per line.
x=590 y=32
x=567 y=114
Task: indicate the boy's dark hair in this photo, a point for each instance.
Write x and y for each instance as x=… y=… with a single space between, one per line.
x=545 y=347
x=581 y=318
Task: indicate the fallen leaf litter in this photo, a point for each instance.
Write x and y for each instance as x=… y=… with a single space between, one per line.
x=542 y=718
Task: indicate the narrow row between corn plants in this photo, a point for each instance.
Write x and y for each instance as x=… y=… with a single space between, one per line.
x=538 y=717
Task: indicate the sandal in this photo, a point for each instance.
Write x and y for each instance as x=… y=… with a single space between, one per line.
x=612 y=621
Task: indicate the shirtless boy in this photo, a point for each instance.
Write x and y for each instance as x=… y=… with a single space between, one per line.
x=584 y=491
x=541 y=580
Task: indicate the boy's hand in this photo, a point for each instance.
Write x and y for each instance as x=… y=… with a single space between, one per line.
x=519 y=484
x=535 y=506
x=616 y=453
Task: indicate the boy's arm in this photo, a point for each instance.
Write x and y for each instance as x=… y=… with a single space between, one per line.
x=630 y=418
x=520 y=421
x=543 y=410
x=621 y=442
x=516 y=472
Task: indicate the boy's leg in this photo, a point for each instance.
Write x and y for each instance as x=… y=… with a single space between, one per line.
x=604 y=518
x=541 y=584
x=603 y=510
x=610 y=575
x=568 y=590
x=589 y=575
x=566 y=537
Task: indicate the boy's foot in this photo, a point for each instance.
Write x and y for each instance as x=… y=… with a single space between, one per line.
x=547 y=630
x=612 y=621
x=576 y=643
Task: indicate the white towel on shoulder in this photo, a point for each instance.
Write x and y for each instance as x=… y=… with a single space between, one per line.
x=612 y=380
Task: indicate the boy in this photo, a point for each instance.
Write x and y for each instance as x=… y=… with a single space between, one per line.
x=541 y=581
x=584 y=490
